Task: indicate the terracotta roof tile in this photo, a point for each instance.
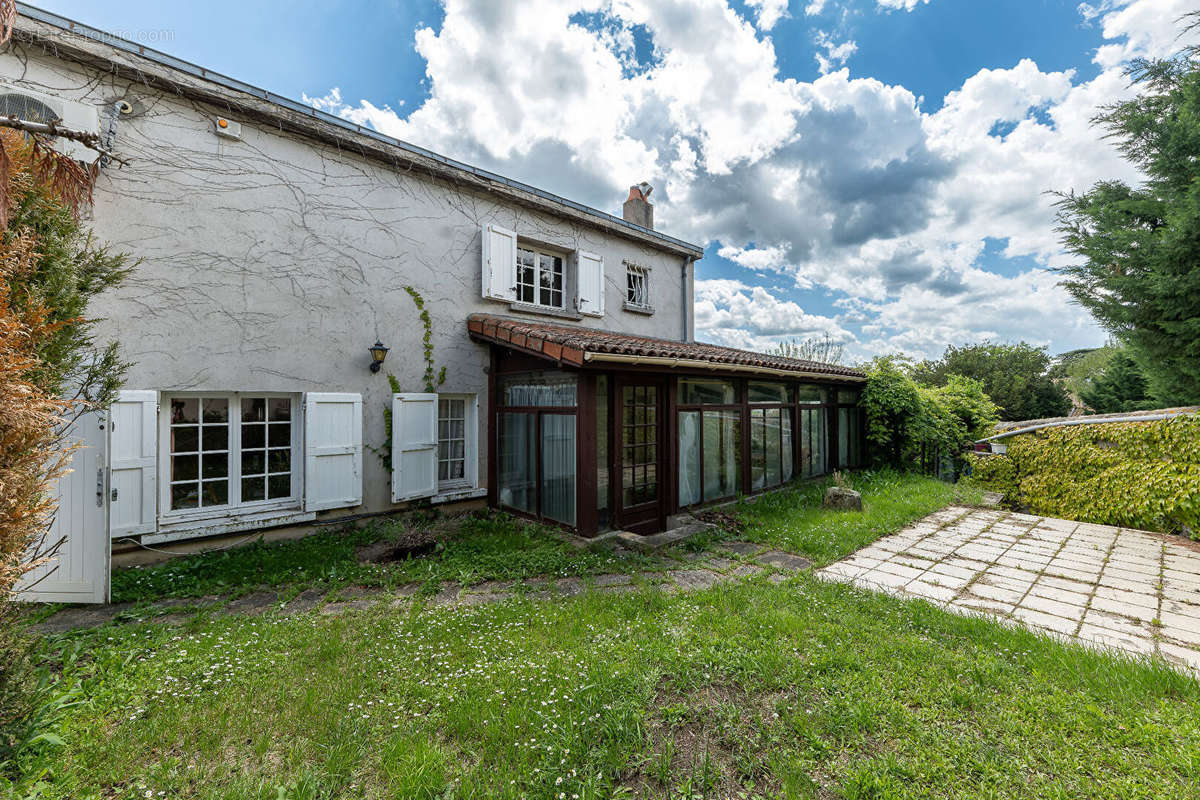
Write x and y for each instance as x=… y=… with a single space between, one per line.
x=572 y=344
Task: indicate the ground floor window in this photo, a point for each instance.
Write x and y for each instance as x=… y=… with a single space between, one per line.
x=229 y=450
x=770 y=447
x=535 y=445
x=710 y=455
x=814 y=434
x=603 y=490
x=457 y=429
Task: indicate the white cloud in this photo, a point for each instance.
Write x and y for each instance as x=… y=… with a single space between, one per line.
x=1145 y=28
x=903 y=5
x=737 y=315
x=814 y=8
x=839 y=184
x=768 y=12
x=836 y=53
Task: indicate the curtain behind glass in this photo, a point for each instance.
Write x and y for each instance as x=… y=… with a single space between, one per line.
x=820 y=441
x=722 y=453
x=547 y=389
x=774 y=455
x=758 y=448
x=813 y=438
x=689 y=457
x=517 y=463
x=602 y=488
x=788 y=462
x=558 y=467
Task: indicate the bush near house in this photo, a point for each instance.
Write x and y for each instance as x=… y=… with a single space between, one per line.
x=1138 y=474
x=910 y=424
x=50 y=268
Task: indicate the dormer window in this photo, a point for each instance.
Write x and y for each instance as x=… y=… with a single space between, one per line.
x=539 y=278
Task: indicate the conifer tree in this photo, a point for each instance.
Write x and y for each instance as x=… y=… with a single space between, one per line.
x=1139 y=246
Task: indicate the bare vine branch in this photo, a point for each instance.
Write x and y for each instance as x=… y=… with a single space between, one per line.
x=85 y=138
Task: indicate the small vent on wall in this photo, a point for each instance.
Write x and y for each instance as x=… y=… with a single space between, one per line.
x=30 y=109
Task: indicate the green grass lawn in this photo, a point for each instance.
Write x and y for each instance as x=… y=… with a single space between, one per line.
x=748 y=690
x=499 y=547
x=484 y=547
x=744 y=690
x=793 y=519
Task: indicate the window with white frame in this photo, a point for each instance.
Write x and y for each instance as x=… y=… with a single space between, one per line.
x=637 y=286
x=456 y=441
x=539 y=278
x=230 y=450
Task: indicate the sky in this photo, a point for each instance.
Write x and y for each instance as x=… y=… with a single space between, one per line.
x=878 y=170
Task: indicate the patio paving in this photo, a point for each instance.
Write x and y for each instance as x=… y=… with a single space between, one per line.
x=1109 y=587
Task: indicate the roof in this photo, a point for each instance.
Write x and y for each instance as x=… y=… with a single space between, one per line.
x=78 y=42
x=1006 y=430
x=1095 y=417
x=574 y=346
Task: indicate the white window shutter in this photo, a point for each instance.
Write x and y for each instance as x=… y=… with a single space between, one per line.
x=332 y=450
x=589 y=279
x=133 y=463
x=414 y=446
x=499 y=263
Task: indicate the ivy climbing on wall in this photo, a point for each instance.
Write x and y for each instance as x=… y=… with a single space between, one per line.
x=433 y=377
x=1138 y=474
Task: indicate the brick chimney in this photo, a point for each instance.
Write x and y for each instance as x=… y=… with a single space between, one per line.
x=637 y=208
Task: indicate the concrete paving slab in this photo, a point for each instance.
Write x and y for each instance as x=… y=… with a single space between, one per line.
x=1129 y=590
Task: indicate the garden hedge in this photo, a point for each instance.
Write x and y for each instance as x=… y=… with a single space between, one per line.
x=1137 y=474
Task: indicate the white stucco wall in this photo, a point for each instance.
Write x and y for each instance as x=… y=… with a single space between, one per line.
x=272 y=263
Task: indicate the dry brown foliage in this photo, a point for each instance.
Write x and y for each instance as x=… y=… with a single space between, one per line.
x=31 y=457
x=62 y=176
x=8 y=15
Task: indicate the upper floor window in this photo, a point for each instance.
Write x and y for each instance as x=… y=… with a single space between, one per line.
x=550 y=279
x=539 y=278
x=637 y=287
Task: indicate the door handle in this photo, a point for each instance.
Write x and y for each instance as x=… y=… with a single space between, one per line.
x=114 y=495
x=100 y=487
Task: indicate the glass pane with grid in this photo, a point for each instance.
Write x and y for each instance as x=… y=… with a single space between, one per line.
x=550 y=279
x=199 y=442
x=452 y=439
x=526 y=276
x=639 y=441
x=266 y=452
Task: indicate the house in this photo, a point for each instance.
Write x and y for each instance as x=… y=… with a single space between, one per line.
x=557 y=375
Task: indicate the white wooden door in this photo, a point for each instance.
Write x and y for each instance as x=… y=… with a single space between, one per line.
x=133 y=463
x=79 y=571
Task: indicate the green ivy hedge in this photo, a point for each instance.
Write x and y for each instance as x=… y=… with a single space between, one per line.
x=1137 y=474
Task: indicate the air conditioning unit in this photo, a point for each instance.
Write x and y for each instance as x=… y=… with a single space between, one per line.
x=37 y=107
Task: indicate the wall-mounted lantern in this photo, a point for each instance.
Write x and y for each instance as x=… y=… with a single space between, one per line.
x=378 y=354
